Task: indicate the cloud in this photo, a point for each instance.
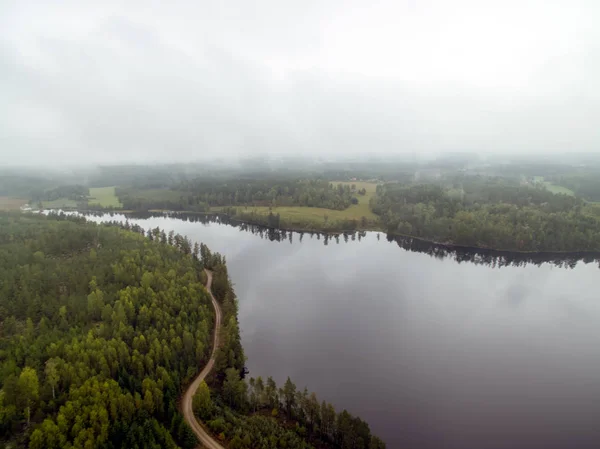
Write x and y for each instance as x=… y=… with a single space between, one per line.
x=145 y=81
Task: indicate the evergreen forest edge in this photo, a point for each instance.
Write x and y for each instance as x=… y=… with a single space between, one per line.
x=104 y=325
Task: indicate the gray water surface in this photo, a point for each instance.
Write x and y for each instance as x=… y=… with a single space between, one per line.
x=432 y=353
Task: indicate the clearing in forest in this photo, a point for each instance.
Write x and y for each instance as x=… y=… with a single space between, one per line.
x=60 y=203
x=556 y=189
x=104 y=196
x=318 y=215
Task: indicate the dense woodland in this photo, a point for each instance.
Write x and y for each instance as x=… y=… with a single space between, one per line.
x=274 y=220
x=71 y=192
x=258 y=414
x=100 y=329
x=137 y=199
x=199 y=195
x=284 y=192
x=488 y=212
x=102 y=326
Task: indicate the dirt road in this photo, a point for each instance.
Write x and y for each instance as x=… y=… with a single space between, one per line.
x=186 y=404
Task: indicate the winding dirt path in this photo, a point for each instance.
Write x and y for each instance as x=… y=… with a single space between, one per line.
x=186 y=404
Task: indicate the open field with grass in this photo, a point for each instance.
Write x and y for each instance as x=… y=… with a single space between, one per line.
x=556 y=189
x=362 y=208
x=318 y=218
x=158 y=194
x=104 y=196
x=60 y=203
x=8 y=203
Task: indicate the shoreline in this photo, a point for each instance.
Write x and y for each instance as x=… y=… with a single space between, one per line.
x=448 y=246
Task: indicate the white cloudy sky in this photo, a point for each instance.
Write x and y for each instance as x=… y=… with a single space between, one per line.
x=153 y=80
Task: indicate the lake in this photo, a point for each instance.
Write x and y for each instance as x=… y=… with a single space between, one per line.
x=434 y=352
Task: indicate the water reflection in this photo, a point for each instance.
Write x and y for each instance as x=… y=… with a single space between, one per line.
x=433 y=353
x=478 y=256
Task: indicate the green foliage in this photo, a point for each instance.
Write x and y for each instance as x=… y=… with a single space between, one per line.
x=199 y=195
x=139 y=199
x=29 y=390
x=255 y=432
x=236 y=408
x=488 y=213
x=62 y=196
x=289 y=396
x=301 y=218
x=584 y=183
x=102 y=326
x=100 y=329
x=305 y=425
x=104 y=197
x=247 y=415
x=202 y=403
x=270 y=192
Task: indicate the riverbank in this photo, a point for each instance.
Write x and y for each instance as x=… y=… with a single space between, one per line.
x=391 y=236
x=225 y=218
x=293 y=317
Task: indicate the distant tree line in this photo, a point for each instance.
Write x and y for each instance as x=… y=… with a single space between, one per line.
x=271 y=192
x=71 y=192
x=585 y=184
x=489 y=213
x=299 y=223
x=161 y=199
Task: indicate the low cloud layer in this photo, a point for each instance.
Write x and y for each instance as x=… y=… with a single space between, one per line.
x=178 y=81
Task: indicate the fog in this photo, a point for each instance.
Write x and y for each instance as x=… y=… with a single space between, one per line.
x=149 y=81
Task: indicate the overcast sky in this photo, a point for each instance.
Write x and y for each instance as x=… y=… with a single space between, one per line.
x=118 y=81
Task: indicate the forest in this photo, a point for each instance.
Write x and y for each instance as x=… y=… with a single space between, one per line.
x=136 y=199
x=100 y=330
x=256 y=414
x=102 y=327
x=525 y=205
x=489 y=213
x=200 y=194
x=72 y=192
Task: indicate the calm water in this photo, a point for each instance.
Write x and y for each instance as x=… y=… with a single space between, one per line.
x=431 y=352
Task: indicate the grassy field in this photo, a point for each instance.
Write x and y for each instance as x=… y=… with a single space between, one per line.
x=558 y=189
x=318 y=216
x=362 y=208
x=60 y=204
x=157 y=194
x=8 y=203
x=104 y=196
